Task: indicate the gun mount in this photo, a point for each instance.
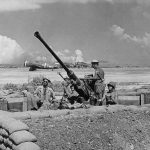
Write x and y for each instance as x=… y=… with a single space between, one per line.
x=79 y=86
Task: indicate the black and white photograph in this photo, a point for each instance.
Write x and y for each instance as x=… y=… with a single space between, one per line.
x=74 y=74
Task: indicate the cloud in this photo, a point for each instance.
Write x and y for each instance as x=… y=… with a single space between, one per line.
x=17 y=5
x=146 y=15
x=10 y=50
x=67 y=51
x=120 y=33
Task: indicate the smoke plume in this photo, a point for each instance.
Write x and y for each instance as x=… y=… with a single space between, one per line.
x=68 y=56
x=41 y=59
x=79 y=56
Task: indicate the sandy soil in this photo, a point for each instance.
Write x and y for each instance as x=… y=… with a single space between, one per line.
x=110 y=130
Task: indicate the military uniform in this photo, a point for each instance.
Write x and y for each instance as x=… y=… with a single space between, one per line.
x=99 y=86
x=45 y=96
x=111 y=97
x=72 y=95
x=71 y=99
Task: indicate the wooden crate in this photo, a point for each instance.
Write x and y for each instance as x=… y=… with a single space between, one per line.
x=146 y=98
x=17 y=104
x=3 y=104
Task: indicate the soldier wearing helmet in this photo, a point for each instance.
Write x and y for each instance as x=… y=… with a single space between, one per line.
x=45 y=95
x=99 y=86
x=111 y=95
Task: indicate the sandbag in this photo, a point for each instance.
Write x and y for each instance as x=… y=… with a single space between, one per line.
x=5 y=120
x=20 y=116
x=1 y=139
x=14 y=126
x=27 y=146
x=3 y=132
x=2 y=147
x=7 y=142
x=22 y=136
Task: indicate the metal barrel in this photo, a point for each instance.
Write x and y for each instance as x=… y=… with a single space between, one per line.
x=37 y=35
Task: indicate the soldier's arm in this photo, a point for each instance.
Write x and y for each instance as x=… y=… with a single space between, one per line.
x=37 y=91
x=37 y=94
x=104 y=97
x=98 y=75
x=74 y=94
x=114 y=97
x=67 y=91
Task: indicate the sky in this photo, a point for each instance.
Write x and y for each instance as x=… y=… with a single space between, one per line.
x=117 y=31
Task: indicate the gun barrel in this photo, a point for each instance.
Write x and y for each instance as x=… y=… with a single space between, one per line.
x=37 y=35
x=61 y=75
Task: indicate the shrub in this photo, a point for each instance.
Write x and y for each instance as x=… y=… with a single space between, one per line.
x=36 y=81
x=33 y=84
x=9 y=86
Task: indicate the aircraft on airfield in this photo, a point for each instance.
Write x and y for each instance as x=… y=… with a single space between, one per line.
x=36 y=65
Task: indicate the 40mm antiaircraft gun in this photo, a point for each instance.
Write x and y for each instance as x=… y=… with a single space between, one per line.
x=79 y=86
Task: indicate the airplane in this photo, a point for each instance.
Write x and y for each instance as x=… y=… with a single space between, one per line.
x=36 y=65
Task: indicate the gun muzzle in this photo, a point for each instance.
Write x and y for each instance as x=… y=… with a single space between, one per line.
x=37 y=34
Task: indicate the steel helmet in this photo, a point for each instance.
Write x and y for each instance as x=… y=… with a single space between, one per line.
x=113 y=84
x=46 y=79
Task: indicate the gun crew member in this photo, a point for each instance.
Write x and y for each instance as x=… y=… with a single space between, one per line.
x=71 y=98
x=111 y=96
x=45 y=95
x=99 y=86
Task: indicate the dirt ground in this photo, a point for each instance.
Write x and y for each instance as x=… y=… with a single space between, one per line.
x=110 y=130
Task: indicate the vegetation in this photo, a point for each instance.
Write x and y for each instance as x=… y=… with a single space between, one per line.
x=32 y=85
x=9 y=86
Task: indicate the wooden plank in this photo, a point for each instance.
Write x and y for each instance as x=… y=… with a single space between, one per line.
x=146 y=98
x=142 y=99
x=25 y=104
x=15 y=104
x=3 y=104
x=129 y=94
x=129 y=98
